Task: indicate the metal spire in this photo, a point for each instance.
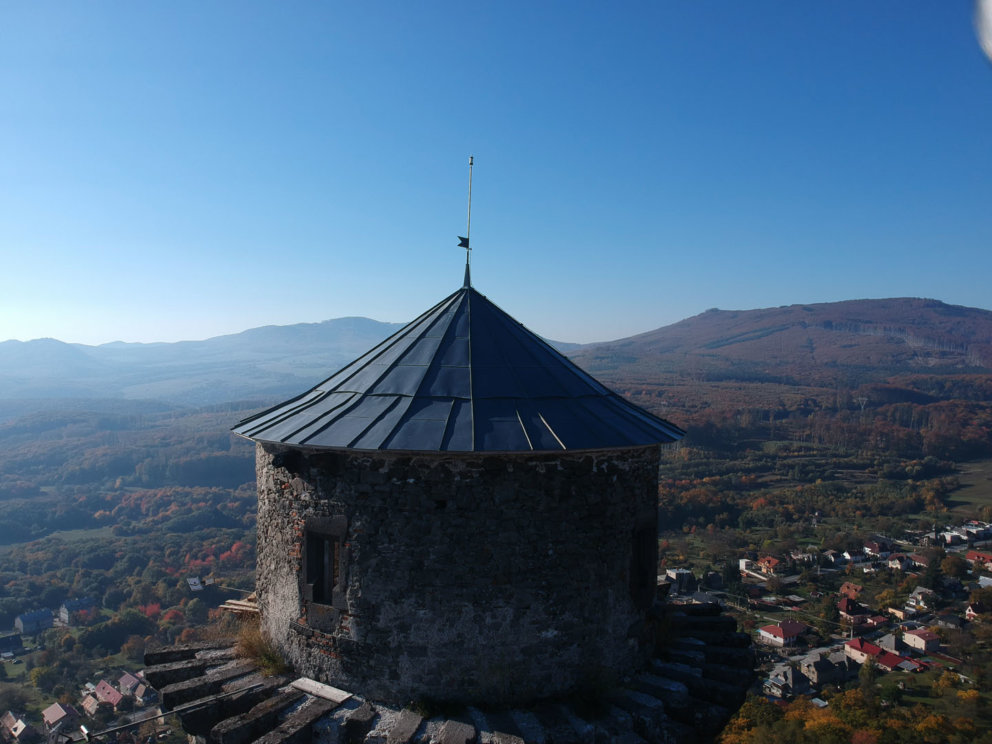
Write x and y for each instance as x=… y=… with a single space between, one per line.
x=464 y=242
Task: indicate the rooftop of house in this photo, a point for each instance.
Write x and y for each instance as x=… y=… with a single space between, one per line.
x=923 y=634
x=786 y=629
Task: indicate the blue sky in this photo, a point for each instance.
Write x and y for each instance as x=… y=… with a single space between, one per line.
x=181 y=170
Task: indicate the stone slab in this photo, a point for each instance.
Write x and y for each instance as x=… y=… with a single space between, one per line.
x=256 y=722
x=504 y=728
x=298 y=726
x=181 y=652
x=201 y=718
x=205 y=685
x=357 y=723
x=456 y=732
x=170 y=673
x=404 y=728
x=319 y=689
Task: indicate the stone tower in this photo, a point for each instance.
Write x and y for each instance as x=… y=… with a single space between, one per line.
x=461 y=514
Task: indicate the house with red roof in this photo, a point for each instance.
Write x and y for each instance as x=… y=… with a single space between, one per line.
x=888 y=661
x=850 y=590
x=785 y=633
x=106 y=693
x=979 y=559
x=851 y=612
x=921 y=639
x=90 y=705
x=128 y=683
x=891 y=662
x=878 y=548
x=57 y=713
x=876 y=621
x=860 y=650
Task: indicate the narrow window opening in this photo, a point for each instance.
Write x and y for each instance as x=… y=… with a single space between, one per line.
x=323 y=566
x=643 y=565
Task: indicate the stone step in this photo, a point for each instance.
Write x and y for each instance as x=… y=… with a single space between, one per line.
x=219 y=654
x=740 y=676
x=676 y=670
x=690 y=624
x=494 y=727
x=647 y=713
x=703 y=669
x=169 y=673
x=700 y=688
x=529 y=726
x=699 y=713
x=258 y=721
x=742 y=658
x=405 y=727
x=455 y=732
x=681 y=708
x=557 y=726
x=701 y=609
x=355 y=724
x=719 y=638
x=579 y=720
x=200 y=719
x=205 y=685
x=660 y=687
x=298 y=726
x=685 y=656
x=183 y=652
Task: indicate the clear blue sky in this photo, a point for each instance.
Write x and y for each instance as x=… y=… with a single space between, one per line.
x=178 y=170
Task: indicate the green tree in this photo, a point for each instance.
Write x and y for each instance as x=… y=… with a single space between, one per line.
x=954 y=565
x=196 y=611
x=44 y=678
x=866 y=678
x=12 y=697
x=134 y=648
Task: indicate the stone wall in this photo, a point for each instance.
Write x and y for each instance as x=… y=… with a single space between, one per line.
x=496 y=578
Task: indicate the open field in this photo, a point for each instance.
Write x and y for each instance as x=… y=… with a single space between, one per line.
x=976 y=487
x=88 y=534
x=919 y=690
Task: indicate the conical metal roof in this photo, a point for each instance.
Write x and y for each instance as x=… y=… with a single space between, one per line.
x=463 y=377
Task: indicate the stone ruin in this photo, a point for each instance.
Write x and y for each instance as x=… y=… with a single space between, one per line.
x=462 y=519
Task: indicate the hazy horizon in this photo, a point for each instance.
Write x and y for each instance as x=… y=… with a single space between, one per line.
x=404 y=322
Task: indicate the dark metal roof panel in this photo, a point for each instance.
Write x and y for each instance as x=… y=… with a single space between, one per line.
x=462 y=377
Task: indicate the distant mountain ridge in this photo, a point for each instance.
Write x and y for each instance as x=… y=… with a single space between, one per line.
x=827 y=344
x=259 y=363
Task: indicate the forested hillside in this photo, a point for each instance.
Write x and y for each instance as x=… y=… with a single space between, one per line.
x=907 y=376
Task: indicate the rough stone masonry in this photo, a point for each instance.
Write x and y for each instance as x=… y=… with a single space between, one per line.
x=498 y=578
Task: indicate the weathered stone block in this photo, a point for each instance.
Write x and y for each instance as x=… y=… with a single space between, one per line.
x=256 y=722
x=455 y=732
x=404 y=727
